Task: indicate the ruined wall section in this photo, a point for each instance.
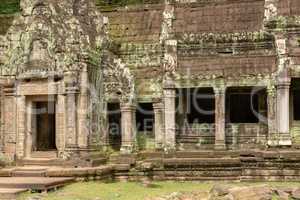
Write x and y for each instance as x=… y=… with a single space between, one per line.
x=136 y=30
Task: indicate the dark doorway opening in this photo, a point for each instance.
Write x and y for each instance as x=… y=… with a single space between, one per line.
x=144 y=117
x=243 y=105
x=45 y=126
x=201 y=103
x=114 y=125
x=144 y=125
x=296 y=98
x=195 y=106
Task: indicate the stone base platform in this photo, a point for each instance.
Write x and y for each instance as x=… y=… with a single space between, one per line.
x=11 y=193
x=239 y=165
x=33 y=183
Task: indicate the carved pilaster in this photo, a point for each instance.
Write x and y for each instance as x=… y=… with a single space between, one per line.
x=272 y=121
x=21 y=126
x=9 y=119
x=220 y=117
x=28 y=136
x=72 y=141
x=61 y=115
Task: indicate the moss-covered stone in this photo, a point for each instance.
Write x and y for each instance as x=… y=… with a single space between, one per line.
x=108 y=5
x=6 y=22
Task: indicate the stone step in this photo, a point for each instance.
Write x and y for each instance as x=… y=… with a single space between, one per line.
x=98 y=161
x=24 y=173
x=10 y=193
x=44 y=154
x=40 y=162
x=122 y=159
x=33 y=183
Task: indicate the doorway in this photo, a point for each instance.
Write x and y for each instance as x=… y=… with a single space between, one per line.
x=45 y=126
x=114 y=125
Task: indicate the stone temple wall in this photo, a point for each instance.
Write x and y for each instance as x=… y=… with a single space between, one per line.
x=289 y=7
x=219 y=16
x=140 y=24
x=152 y=49
x=137 y=30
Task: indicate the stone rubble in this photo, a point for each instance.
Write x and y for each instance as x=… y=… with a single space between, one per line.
x=227 y=192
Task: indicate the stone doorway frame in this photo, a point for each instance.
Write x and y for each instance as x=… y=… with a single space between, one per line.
x=26 y=94
x=31 y=129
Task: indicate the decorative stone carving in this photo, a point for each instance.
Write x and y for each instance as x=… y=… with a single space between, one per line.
x=54 y=37
x=119 y=81
x=270 y=9
x=206 y=38
x=166 y=29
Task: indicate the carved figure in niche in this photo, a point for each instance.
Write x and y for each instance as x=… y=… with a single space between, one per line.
x=271 y=11
x=169 y=63
x=39 y=51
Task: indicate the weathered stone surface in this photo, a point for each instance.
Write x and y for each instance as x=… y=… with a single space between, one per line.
x=262 y=192
x=282 y=195
x=219 y=190
x=296 y=194
x=54 y=35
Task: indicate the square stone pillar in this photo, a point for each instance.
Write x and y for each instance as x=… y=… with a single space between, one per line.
x=60 y=124
x=170 y=121
x=272 y=122
x=10 y=119
x=220 y=96
x=71 y=136
x=128 y=127
x=158 y=125
x=283 y=112
x=29 y=139
x=21 y=126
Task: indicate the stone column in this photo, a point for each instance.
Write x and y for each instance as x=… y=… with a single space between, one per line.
x=283 y=111
x=83 y=132
x=21 y=126
x=28 y=147
x=272 y=125
x=72 y=141
x=170 y=114
x=220 y=118
x=10 y=119
x=127 y=127
x=2 y=119
x=60 y=123
x=34 y=126
x=158 y=125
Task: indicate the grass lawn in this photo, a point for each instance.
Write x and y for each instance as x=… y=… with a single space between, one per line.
x=119 y=190
x=131 y=190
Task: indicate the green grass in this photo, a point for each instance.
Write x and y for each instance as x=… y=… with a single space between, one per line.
x=135 y=191
x=9 y=6
x=119 y=190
